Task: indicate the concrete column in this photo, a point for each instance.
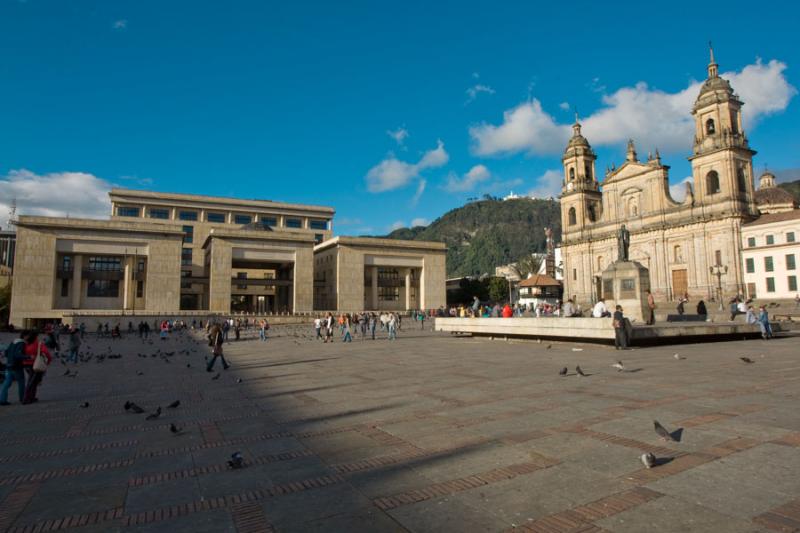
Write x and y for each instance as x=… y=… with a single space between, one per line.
x=126 y=284
x=374 y=294
x=77 y=280
x=408 y=289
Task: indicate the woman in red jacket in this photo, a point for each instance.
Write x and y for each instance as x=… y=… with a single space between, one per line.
x=34 y=346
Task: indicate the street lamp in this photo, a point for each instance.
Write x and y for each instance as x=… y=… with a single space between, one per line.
x=719 y=271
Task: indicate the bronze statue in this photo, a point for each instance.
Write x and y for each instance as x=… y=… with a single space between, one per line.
x=623 y=243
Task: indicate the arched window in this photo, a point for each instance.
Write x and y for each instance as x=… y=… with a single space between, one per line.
x=588 y=169
x=633 y=207
x=710 y=128
x=741 y=179
x=592 y=212
x=677 y=254
x=572 y=218
x=599 y=262
x=571 y=174
x=712 y=182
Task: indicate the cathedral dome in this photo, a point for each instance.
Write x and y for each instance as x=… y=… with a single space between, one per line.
x=774 y=200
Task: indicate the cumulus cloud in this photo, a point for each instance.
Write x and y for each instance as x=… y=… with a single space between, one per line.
x=74 y=194
x=475 y=90
x=397 y=225
x=419 y=222
x=678 y=190
x=564 y=106
x=468 y=181
x=399 y=135
x=547 y=185
x=391 y=173
x=652 y=117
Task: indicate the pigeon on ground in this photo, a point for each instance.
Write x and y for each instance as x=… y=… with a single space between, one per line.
x=73 y=375
x=649 y=460
x=236 y=461
x=84 y=405
x=215 y=377
x=563 y=371
x=549 y=346
x=579 y=371
x=747 y=360
x=239 y=380
x=175 y=430
x=188 y=365
x=153 y=416
x=619 y=366
x=140 y=373
x=662 y=431
x=67 y=372
x=678 y=357
x=577 y=349
x=130 y=406
x=174 y=404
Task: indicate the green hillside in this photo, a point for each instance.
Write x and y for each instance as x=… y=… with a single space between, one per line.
x=793 y=187
x=488 y=233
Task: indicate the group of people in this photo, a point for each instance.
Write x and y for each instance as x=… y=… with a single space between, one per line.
x=364 y=324
x=26 y=361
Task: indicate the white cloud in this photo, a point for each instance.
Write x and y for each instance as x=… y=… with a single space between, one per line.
x=564 y=106
x=391 y=173
x=397 y=225
x=420 y=189
x=475 y=90
x=475 y=175
x=652 y=117
x=120 y=24
x=547 y=185
x=419 y=222
x=678 y=190
x=77 y=194
x=399 y=135
x=347 y=221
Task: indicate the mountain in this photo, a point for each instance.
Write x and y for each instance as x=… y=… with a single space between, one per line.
x=793 y=187
x=488 y=233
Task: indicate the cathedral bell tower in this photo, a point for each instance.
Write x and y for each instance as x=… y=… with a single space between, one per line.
x=722 y=164
x=581 y=200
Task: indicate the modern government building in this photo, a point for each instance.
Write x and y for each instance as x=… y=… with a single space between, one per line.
x=182 y=254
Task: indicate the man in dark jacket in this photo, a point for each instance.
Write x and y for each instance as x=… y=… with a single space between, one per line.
x=15 y=355
x=620 y=330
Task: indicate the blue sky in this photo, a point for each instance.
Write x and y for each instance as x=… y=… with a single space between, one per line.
x=389 y=112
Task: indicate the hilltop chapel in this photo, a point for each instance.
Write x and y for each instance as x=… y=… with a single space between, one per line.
x=691 y=247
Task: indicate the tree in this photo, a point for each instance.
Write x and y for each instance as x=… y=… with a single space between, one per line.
x=498 y=290
x=529 y=264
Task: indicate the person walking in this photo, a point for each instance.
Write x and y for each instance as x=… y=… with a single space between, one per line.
x=422 y=320
x=346 y=328
x=217 y=341
x=373 y=322
x=392 y=327
x=262 y=329
x=15 y=356
x=620 y=331
x=37 y=359
x=763 y=318
x=651 y=306
x=73 y=345
x=329 y=328
x=318 y=327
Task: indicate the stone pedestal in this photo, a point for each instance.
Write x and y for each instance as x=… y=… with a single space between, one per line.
x=626 y=283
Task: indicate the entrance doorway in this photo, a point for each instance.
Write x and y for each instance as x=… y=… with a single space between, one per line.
x=680 y=283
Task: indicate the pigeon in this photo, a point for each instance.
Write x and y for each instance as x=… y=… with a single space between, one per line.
x=549 y=346
x=239 y=380
x=236 y=461
x=153 y=416
x=563 y=371
x=73 y=375
x=662 y=432
x=579 y=371
x=84 y=405
x=140 y=373
x=174 y=404
x=577 y=349
x=649 y=460
x=215 y=377
x=175 y=430
x=188 y=365
x=130 y=406
x=747 y=360
x=66 y=373
x=678 y=357
x=619 y=366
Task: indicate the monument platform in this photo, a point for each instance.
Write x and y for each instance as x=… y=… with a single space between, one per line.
x=599 y=329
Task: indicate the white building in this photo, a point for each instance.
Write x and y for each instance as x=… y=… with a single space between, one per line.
x=770 y=253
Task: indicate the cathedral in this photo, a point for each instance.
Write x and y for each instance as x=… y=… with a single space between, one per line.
x=691 y=247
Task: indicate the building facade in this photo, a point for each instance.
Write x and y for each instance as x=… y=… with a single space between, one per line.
x=683 y=244
x=8 y=242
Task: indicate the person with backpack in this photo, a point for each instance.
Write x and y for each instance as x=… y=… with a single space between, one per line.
x=37 y=360
x=217 y=340
x=15 y=356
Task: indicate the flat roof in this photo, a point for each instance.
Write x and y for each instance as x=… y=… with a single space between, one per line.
x=374 y=242
x=127 y=226
x=132 y=195
x=258 y=235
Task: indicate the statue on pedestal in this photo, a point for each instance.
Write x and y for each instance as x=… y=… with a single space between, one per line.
x=623 y=243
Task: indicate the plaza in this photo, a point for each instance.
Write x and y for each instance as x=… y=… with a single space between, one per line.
x=431 y=432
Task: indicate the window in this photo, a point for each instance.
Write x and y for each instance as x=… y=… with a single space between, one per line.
x=188 y=234
x=677 y=254
x=571 y=174
x=741 y=179
x=710 y=129
x=128 y=211
x=318 y=238
x=66 y=263
x=751 y=242
x=242 y=219
x=750 y=265
x=770 y=239
x=294 y=223
x=187 y=215
x=140 y=265
x=792 y=282
x=105 y=263
x=718 y=257
x=389 y=294
x=185 y=274
x=186 y=257
x=712 y=182
x=241 y=275
x=218 y=218
x=140 y=289
x=101 y=288
x=790 y=236
x=599 y=262
x=768 y=267
x=64 y=288
x=592 y=212
x=770 y=284
x=159 y=213
x=572 y=217
x=318 y=224
x=268 y=222
x=588 y=169
x=574 y=274
x=790 y=265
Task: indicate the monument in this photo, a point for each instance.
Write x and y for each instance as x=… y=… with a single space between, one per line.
x=626 y=282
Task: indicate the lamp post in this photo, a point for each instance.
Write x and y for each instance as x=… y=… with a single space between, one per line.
x=719 y=271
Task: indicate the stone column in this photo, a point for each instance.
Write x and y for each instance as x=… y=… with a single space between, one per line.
x=126 y=283
x=374 y=293
x=77 y=280
x=408 y=289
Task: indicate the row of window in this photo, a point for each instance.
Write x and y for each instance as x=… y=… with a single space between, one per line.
x=769 y=265
x=100 y=288
x=770 y=239
x=221 y=218
x=791 y=284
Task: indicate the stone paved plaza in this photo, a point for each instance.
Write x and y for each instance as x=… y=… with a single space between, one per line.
x=430 y=433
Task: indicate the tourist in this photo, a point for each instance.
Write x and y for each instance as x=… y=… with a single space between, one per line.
x=115 y=333
x=681 y=302
x=346 y=328
x=263 y=327
x=373 y=322
x=392 y=327
x=15 y=356
x=362 y=324
x=74 y=343
x=422 y=320
x=600 y=310
x=329 y=328
x=318 y=327
x=164 y=330
x=620 y=331
x=237 y=329
x=742 y=306
x=797 y=301
x=217 y=340
x=226 y=327
x=99 y=330
x=701 y=308
x=568 y=310
x=475 y=304
x=763 y=318
x=651 y=306
x=507 y=312
x=751 y=318
x=35 y=349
